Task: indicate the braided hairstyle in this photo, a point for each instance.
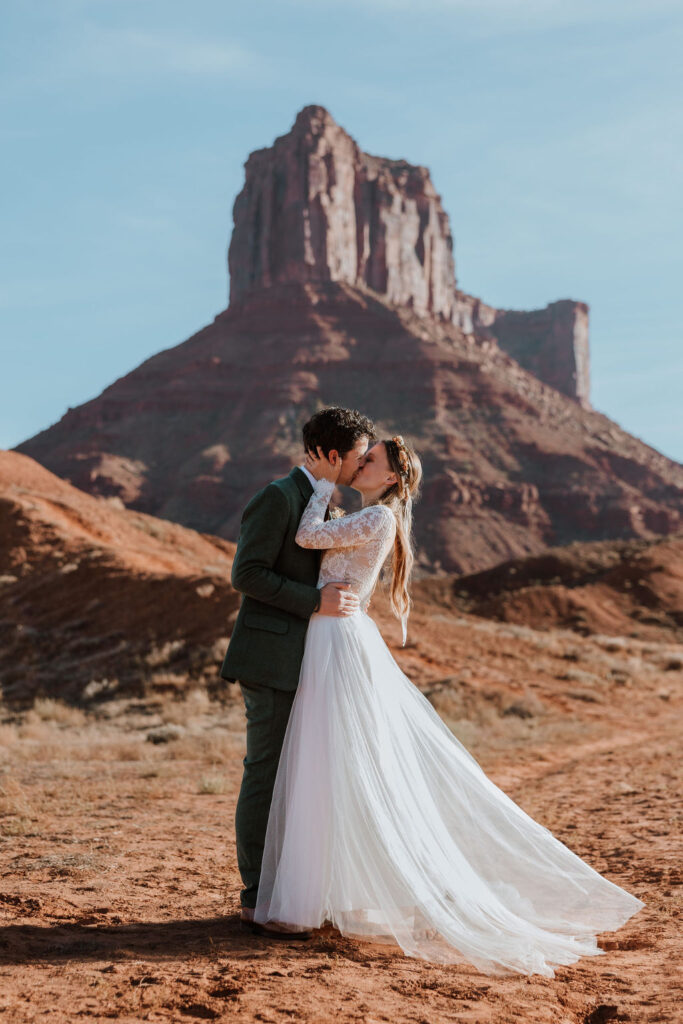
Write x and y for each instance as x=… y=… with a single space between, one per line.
x=399 y=497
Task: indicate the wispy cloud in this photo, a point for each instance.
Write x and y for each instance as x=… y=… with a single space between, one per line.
x=91 y=52
x=112 y=51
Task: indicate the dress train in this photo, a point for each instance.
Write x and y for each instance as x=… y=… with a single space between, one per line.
x=383 y=824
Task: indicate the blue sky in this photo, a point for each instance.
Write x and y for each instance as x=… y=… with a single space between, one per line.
x=553 y=130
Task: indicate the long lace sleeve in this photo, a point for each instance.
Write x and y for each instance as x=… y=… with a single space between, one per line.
x=371 y=523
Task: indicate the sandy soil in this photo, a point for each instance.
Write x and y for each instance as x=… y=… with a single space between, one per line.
x=119 y=890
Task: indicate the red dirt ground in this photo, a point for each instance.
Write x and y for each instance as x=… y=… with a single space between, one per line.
x=119 y=890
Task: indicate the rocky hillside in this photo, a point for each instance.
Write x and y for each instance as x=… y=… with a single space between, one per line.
x=631 y=588
x=343 y=291
x=97 y=601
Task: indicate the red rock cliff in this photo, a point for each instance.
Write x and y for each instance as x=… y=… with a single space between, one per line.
x=552 y=343
x=316 y=208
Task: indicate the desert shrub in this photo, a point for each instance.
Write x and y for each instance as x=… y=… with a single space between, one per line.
x=157 y=656
x=212 y=784
x=49 y=710
x=194 y=704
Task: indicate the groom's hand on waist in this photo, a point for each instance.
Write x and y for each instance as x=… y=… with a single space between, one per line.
x=338 y=599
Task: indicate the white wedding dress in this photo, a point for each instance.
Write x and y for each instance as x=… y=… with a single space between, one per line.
x=382 y=823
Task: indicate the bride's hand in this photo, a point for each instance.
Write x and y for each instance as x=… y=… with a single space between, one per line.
x=323 y=468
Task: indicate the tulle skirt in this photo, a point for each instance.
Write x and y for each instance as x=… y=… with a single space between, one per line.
x=383 y=825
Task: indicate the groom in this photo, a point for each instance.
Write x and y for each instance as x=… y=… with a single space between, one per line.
x=278 y=581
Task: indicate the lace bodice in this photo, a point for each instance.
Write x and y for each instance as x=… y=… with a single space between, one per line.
x=356 y=545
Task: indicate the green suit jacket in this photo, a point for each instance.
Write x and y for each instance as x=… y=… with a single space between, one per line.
x=277 y=579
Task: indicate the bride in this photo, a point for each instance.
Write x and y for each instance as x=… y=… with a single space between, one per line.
x=381 y=822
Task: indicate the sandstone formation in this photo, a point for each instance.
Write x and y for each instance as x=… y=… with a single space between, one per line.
x=552 y=343
x=625 y=587
x=343 y=292
x=314 y=207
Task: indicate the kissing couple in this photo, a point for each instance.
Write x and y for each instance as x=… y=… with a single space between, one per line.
x=358 y=807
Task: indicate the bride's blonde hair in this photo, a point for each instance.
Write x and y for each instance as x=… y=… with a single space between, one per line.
x=399 y=497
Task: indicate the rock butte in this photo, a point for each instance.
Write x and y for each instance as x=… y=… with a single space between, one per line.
x=314 y=207
x=343 y=291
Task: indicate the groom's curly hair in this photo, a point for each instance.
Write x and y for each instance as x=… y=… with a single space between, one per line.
x=338 y=429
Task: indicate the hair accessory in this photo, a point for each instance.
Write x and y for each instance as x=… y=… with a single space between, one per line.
x=402 y=454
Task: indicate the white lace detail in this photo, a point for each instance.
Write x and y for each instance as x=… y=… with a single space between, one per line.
x=356 y=545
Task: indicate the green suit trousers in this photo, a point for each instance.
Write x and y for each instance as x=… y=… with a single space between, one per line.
x=267 y=712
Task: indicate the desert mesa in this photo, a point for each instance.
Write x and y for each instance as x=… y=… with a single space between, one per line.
x=343 y=291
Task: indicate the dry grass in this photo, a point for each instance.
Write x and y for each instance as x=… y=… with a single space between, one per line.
x=162 y=655
x=213 y=784
x=208 y=732
x=42 y=742
x=578 y=675
x=184 y=712
x=46 y=709
x=158 y=770
x=63 y=864
x=18 y=826
x=167 y=681
x=9 y=737
x=15 y=798
x=214 y=747
x=100 y=687
x=218 y=649
x=34 y=728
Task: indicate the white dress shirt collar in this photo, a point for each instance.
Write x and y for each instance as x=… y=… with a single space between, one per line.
x=309 y=475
